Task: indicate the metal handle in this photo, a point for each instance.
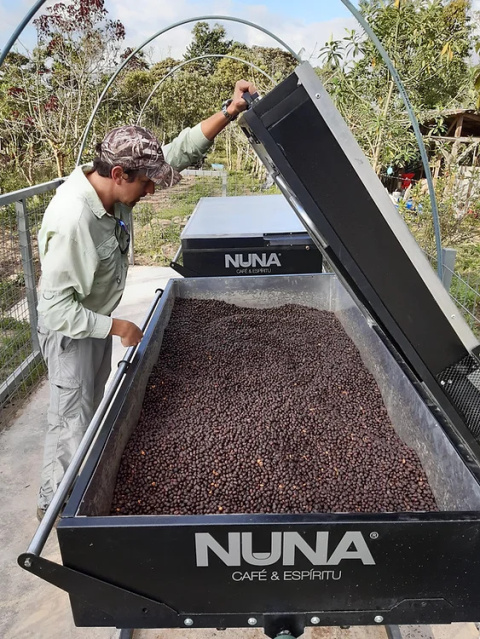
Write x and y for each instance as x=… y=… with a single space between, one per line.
x=46 y=525
x=177 y=254
x=291 y=239
x=250 y=97
x=300 y=211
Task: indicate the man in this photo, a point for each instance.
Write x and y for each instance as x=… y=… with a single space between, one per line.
x=83 y=243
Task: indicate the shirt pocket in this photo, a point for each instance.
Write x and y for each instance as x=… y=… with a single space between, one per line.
x=107 y=248
x=109 y=270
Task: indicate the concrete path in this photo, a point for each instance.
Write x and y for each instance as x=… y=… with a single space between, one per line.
x=33 y=609
x=30 y=607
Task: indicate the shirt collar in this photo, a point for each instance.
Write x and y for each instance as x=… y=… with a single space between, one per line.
x=79 y=182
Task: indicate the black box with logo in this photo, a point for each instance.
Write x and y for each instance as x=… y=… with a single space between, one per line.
x=246 y=235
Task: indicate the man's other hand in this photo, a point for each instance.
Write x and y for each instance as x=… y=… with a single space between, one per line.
x=128 y=332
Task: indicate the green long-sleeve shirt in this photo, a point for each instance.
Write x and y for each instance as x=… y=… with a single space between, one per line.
x=83 y=269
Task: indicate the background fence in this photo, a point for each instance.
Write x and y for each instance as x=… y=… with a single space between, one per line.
x=21 y=364
x=464 y=291
x=158 y=222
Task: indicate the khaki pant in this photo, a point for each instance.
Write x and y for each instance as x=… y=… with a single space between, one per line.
x=78 y=370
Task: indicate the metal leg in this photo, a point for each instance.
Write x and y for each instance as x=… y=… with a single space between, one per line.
x=393 y=632
x=126 y=633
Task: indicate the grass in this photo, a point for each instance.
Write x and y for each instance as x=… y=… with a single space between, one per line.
x=465 y=287
x=160 y=220
x=467 y=297
x=157 y=233
x=461 y=234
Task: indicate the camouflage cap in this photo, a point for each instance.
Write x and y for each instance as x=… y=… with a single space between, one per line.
x=135 y=148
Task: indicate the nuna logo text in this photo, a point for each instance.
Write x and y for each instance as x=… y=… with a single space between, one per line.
x=251 y=260
x=285 y=548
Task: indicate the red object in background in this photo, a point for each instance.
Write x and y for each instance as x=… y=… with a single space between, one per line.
x=406 y=179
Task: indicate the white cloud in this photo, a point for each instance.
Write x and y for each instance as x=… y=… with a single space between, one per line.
x=144 y=18
x=141 y=25
x=297 y=34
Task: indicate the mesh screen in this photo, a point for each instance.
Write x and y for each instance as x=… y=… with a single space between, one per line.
x=461 y=383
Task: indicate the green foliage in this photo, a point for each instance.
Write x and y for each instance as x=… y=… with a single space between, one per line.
x=157 y=232
x=8 y=215
x=78 y=46
x=467 y=298
x=161 y=68
x=159 y=223
x=12 y=324
x=277 y=64
x=181 y=103
x=49 y=94
x=456 y=228
x=468 y=261
x=133 y=89
x=15 y=345
x=207 y=40
x=17 y=147
x=467 y=289
x=243 y=183
x=429 y=42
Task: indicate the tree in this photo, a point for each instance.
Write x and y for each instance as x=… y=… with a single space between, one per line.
x=274 y=61
x=137 y=62
x=160 y=69
x=183 y=100
x=207 y=40
x=429 y=42
x=17 y=148
x=55 y=93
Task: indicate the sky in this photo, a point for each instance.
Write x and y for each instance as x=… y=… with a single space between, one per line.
x=304 y=25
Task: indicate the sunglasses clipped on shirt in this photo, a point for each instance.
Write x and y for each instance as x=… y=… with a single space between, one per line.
x=122 y=235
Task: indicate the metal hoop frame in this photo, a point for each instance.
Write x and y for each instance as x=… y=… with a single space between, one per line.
x=156 y=35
